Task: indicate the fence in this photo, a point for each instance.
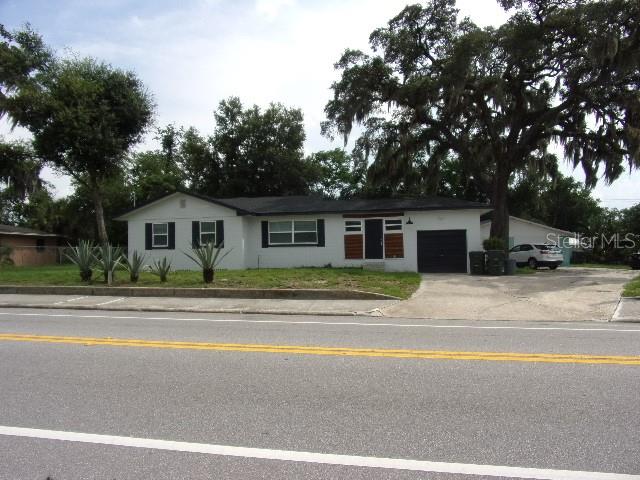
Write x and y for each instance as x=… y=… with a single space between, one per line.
x=33 y=255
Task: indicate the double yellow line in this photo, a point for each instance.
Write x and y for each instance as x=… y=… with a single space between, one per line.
x=331 y=351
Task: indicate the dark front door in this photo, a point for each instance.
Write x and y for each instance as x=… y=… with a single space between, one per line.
x=442 y=251
x=373 y=238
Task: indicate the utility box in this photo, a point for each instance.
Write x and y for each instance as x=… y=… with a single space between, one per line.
x=476 y=263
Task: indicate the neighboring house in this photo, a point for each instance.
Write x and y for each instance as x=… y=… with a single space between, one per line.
x=431 y=234
x=526 y=231
x=27 y=246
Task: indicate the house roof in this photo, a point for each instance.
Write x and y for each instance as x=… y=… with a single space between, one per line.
x=22 y=231
x=300 y=204
x=486 y=218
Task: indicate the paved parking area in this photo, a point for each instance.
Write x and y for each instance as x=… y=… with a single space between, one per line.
x=566 y=294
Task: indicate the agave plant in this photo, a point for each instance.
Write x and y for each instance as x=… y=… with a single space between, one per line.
x=161 y=268
x=108 y=258
x=134 y=265
x=208 y=258
x=83 y=257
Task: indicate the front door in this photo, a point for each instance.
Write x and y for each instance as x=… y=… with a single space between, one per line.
x=373 y=238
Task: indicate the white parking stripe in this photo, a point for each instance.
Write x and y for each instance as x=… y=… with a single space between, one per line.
x=69 y=300
x=111 y=301
x=321 y=458
x=318 y=322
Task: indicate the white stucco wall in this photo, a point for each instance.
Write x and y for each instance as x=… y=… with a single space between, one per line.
x=527 y=232
x=168 y=210
x=243 y=236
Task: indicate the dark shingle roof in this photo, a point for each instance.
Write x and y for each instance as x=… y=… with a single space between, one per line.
x=11 y=230
x=300 y=205
x=304 y=204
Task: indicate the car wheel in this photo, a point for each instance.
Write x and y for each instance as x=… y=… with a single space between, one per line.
x=533 y=263
x=553 y=267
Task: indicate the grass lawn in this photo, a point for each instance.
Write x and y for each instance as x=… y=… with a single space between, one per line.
x=525 y=271
x=398 y=284
x=632 y=289
x=602 y=265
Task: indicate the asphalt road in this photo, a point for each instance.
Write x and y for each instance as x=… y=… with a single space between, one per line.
x=474 y=413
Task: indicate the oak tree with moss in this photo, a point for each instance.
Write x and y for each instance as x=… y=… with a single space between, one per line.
x=498 y=100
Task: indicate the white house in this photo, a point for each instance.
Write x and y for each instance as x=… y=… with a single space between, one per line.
x=526 y=231
x=430 y=234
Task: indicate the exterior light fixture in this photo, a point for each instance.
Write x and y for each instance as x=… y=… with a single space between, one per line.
x=409 y=222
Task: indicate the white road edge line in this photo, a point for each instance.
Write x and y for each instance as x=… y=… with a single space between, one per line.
x=317 y=322
x=111 y=301
x=321 y=458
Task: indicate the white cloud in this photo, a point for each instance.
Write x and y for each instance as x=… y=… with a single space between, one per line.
x=271 y=8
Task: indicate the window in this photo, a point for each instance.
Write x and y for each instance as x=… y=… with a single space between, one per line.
x=353 y=226
x=207 y=233
x=393 y=225
x=40 y=245
x=293 y=232
x=160 y=235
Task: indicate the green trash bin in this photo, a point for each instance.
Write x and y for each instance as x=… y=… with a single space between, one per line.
x=476 y=262
x=495 y=262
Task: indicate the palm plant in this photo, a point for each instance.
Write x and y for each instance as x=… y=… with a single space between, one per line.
x=108 y=258
x=161 y=268
x=83 y=257
x=208 y=258
x=135 y=265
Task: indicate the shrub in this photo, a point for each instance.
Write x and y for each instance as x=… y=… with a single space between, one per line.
x=5 y=256
x=134 y=266
x=161 y=268
x=108 y=258
x=83 y=257
x=208 y=258
x=494 y=243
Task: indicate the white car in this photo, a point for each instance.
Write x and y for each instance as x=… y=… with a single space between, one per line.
x=537 y=255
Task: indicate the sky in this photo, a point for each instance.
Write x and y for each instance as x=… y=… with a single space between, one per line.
x=193 y=53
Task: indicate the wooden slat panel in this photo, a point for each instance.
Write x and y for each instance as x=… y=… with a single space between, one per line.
x=353 y=247
x=393 y=245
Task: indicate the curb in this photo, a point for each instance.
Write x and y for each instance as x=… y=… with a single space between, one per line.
x=616 y=314
x=249 y=311
x=246 y=293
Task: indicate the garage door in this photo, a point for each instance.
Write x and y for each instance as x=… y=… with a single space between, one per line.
x=442 y=251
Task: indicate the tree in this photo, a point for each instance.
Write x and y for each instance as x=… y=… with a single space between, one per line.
x=23 y=55
x=19 y=169
x=496 y=99
x=84 y=116
x=334 y=174
x=260 y=152
x=559 y=201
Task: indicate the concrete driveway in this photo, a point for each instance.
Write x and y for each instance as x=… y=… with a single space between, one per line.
x=566 y=294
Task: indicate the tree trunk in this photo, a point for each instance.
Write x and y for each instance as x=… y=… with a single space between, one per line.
x=500 y=220
x=103 y=238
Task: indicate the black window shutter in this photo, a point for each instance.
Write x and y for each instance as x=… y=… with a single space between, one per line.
x=265 y=234
x=148 y=245
x=195 y=234
x=220 y=233
x=172 y=236
x=320 y=232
